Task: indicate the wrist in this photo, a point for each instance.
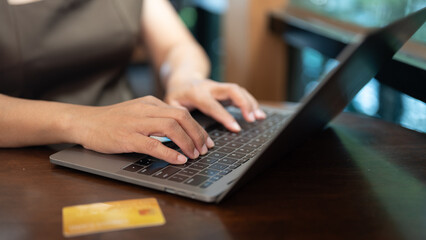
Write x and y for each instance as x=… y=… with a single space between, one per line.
x=73 y=123
x=180 y=79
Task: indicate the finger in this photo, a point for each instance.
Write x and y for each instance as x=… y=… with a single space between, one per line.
x=156 y=149
x=240 y=100
x=213 y=108
x=202 y=134
x=197 y=134
x=258 y=113
x=192 y=128
x=170 y=128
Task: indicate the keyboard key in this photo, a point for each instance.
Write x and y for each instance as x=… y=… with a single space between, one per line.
x=215 y=178
x=227 y=138
x=253 y=145
x=212 y=150
x=234 y=145
x=236 y=155
x=132 y=168
x=208 y=160
x=166 y=172
x=265 y=136
x=215 y=134
x=250 y=135
x=256 y=131
x=219 y=143
x=252 y=154
x=263 y=128
x=178 y=178
x=218 y=166
x=190 y=161
x=199 y=166
x=258 y=141
x=187 y=164
x=209 y=172
x=234 y=166
x=225 y=150
x=196 y=180
x=154 y=167
x=206 y=184
x=233 y=134
x=216 y=155
x=244 y=160
x=227 y=160
x=242 y=140
x=245 y=150
x=144 y=162
x=224 y=172
x=188 y=172
x=271 y=130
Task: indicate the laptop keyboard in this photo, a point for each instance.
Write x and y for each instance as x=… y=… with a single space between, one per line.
x=231 y=151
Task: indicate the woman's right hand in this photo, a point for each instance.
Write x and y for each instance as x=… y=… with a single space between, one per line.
x=127 y=127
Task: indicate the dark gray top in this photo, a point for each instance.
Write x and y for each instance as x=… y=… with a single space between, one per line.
x=68 y=50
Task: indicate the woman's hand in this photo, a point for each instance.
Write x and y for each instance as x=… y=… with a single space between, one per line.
x=183 y=66
x=126 y=127
x=205 y=94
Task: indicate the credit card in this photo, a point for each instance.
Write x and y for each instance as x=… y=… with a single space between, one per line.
x=161 y=139
x=111 y=216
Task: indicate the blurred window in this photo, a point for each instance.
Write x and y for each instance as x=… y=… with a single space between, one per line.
x=374 y=99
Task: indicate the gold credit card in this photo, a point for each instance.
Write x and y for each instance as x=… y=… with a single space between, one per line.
x=111 y=216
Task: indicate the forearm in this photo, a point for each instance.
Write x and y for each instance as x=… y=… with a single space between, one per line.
x=32 y=122
x=175 y=53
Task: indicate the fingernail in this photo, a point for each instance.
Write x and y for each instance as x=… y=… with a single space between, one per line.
x=260 y=114
x=196 y=153
x=251 y=117
x=210 y=142
x=204 y=149
x=181 y=159
x=235 y=126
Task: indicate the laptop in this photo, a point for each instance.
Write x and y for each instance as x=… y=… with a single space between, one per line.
x=237 y=157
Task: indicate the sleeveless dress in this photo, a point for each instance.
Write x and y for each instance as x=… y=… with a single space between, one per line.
x=73 y=51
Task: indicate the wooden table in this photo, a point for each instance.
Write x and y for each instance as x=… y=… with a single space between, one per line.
x=360 y=179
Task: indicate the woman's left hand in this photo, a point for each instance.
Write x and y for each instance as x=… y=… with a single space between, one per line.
x=205 y=95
